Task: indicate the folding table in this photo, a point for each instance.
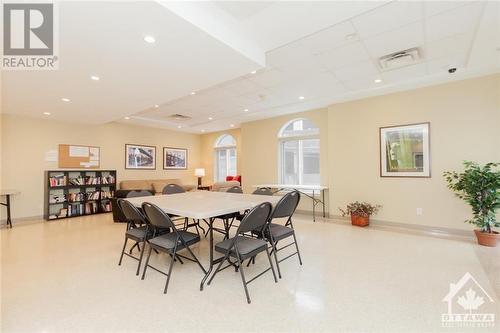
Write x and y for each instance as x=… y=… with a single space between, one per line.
x=205 y=205
x=7 y=194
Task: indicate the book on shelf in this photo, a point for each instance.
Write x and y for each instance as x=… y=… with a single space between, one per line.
x=74 y=197
x=106 y=206
x=53 y=199
x=57 y=180
x=91 y=208
x=108 y=180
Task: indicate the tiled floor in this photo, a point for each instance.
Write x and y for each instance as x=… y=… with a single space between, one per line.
x=63 y=277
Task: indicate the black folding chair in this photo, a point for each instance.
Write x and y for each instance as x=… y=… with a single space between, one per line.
x=227 y=219
x=136 y=230
x=169 y=243
x=174 y=189
x=263 y=191
x=285 y=208
x=242 y=247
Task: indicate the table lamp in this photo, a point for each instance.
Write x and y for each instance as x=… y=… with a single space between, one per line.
x=199 y=172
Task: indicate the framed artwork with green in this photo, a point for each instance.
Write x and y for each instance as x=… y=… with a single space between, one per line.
x=405 y=151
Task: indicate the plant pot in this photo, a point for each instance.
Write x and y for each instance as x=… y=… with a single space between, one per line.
x=360 y=221
x=487 y=239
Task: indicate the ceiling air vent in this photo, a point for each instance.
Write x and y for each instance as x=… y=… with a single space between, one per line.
x=400 y=59
x=178 y=117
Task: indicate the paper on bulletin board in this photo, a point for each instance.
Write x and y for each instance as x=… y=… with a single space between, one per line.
x=94 y=155
x=89 y=164
x=78 y=151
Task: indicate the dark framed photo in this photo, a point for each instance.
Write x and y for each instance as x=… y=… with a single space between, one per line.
x=405 y=151
x=174 y=158
x=140 y=157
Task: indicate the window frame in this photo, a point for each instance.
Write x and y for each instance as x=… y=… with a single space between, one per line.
x=227 y=148
x=300 y=138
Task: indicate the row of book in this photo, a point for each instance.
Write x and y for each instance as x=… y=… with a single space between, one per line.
x=77 y=197
x=81 y=209
x=57 y=180
x=90 y=180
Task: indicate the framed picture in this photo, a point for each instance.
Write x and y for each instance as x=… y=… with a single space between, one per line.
x=174 y=158
x=405 y=151
x=140 y=157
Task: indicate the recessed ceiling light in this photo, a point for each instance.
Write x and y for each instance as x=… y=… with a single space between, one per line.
x=350 y=37
x=95 y=78
x=377 y=80
x=149 y=39
x=210 y=118
x=232 y=125
x=301 y=97
x=193 y=92
x=203 y=130
x=246 y=110
x=126 y=118
x=64 y=99
x=179 y=126
x=253 y=72
x=156 y=106
x=47 y=113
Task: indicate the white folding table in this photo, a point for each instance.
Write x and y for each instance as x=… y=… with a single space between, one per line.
x=205 y=205
x=305 y=190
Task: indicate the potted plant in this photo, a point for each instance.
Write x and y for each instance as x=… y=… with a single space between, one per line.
x=479 y=186
x=360 y=212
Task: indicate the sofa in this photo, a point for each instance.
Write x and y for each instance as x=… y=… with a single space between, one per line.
x=224 y=186
x=117 y=212
x=154 y=185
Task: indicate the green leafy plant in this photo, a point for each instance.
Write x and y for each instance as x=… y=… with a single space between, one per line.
x=479 y=186
x=360 y=208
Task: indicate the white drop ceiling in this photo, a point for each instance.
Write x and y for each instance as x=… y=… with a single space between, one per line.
x=326 y=52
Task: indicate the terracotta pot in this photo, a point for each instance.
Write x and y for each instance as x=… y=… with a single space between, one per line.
x=360 y=221
x=487 y=239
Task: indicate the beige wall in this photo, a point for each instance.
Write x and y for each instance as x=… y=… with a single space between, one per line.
x=465 y=124
x=208 y=156
x=26 y=140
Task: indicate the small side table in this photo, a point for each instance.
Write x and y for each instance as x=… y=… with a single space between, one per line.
x=204 y=188
x=7 y=194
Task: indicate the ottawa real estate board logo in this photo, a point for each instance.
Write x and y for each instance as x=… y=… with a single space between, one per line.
x=30 y=39
x=469 y=305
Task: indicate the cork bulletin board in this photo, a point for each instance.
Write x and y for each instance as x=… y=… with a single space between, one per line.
x=77 y=156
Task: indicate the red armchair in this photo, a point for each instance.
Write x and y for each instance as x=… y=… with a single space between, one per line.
x=237 y=178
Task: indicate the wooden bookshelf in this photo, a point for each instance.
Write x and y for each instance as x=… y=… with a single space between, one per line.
x=72 y=193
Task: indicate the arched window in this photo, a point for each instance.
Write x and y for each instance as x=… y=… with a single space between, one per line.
x=299 y=153
x=225 y=157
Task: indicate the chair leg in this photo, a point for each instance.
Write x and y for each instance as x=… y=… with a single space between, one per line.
x=275 y=253
x=140 y=259
x=243 y=279
x=123 y=251
x=297 y=247
x=218 y=267
x=197 y=261
x=172 y=261
x=199 y=225
x=132 y=248
x=147 y=263
x=271 y=263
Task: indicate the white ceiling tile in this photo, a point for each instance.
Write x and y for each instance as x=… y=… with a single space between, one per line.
x=442 y=65
x=486 y=47
x=268 y=78
x=436 y=7
x=309 y=66
x=448 y=46
x=388 y=17
x=343 y=56
x=357 y=70
x=240 y=87
x=329 y=38
x=405 y=74
x=287 y=55
x=453 y=22
x=400 y=39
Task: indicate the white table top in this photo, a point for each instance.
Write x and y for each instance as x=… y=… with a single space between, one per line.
x=9 y=192
x=204 y=204
x=296 y=187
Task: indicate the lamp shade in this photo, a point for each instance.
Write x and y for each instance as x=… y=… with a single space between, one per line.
x=199 y=172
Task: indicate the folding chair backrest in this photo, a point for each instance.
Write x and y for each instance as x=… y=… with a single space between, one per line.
x=173 y=189
x=138 y=193
x=287 y=205
x=235 y=189
x=256 y=218
x=132 y=213
x=156 y=217
x=263 y=191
